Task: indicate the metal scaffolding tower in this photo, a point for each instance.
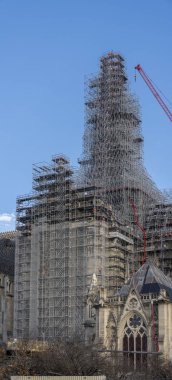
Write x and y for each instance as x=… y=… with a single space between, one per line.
x=77 y=228
x=112 y=150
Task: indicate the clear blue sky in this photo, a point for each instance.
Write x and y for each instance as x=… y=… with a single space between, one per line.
x=47 y=47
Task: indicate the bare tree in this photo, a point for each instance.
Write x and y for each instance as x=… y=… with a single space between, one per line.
x=74 y=358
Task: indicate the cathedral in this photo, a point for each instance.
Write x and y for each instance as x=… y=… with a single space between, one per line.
x=137 y=319
x=94 y=245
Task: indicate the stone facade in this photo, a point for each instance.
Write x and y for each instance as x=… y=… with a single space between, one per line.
x=138 y=317
x=6 y=307
x=7 y=251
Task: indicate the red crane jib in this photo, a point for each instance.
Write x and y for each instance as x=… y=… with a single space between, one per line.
x=154 y=91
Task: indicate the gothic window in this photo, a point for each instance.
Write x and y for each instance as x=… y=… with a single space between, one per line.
x=135 y=335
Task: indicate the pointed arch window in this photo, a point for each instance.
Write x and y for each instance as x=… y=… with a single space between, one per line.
x=135 y=335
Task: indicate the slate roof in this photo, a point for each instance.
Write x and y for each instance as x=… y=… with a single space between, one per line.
x=148 y=279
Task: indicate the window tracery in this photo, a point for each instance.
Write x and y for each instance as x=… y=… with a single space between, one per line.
x=135 y=335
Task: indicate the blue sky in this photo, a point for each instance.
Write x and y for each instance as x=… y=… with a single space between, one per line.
x=48 y=48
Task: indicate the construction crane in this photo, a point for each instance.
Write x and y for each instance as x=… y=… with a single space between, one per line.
x=149 y=83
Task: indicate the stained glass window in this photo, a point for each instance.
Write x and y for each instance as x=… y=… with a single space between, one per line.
x=135 y=321
x=135 y=335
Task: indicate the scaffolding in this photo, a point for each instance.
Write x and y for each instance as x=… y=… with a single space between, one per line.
x=79 y=225
x=159 y=234
x=112 y=159
x=112 y=148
